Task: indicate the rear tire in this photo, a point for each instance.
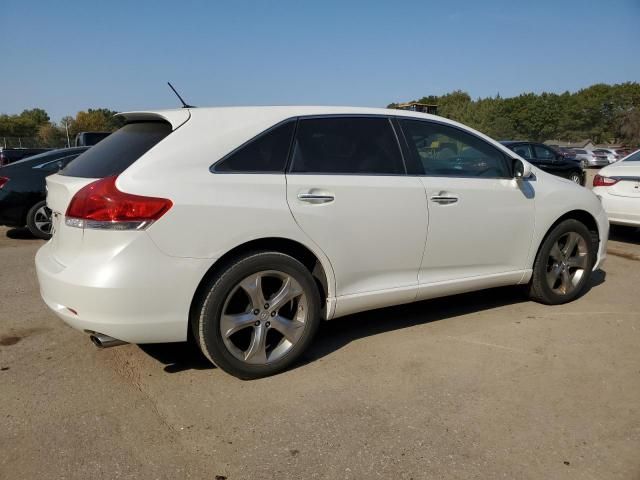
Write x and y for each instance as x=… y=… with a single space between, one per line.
x=258 y=316
x=576 y=177
x=564 y=264
x=39 y=220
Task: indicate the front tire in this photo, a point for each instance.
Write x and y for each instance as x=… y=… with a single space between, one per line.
x=258 y=316
x=564 y=264
x=39 y=220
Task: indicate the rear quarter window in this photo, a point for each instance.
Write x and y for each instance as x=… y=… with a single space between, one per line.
x=266 y=153
x=118 y=151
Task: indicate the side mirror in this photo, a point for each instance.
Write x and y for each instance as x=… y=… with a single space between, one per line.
x=60 y=165
x=521 y=170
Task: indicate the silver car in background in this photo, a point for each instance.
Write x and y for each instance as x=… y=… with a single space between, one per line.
x=591 y=158
x=612 y=154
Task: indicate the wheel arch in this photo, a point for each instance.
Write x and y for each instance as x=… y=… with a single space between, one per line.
x=580 y=215
x=321 y=273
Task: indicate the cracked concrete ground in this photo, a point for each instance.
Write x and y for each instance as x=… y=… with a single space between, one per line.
x=484 y=385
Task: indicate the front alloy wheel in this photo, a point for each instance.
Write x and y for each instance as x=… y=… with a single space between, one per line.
x=258 y=315
x=564 y=264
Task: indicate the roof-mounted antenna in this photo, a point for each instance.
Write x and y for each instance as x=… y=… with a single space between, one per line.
x=184 y=104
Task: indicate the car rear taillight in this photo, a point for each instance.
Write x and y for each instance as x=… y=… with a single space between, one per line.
x=101 y=205
x=3 y=181
x=600 y=181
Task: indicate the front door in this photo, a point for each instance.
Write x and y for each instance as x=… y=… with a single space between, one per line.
x=481 y=219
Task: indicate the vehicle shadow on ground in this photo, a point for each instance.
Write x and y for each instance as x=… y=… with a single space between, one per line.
x=20 y=234
x=334 y=335
x=627 y=235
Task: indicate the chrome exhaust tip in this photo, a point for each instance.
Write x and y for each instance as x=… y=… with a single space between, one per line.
x=101 y=340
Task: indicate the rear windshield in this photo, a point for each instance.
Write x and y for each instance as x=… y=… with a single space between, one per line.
x=633 y=158
x=118 y=151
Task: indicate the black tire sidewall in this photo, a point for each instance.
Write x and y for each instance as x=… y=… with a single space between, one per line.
x=576 y=175
x=207 y=326
x=540 y=267
x=31 y=225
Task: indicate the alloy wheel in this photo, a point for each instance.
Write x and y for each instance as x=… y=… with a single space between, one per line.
x=566 y=264
x=42 y=219
x=263 y=317
x=576 y=179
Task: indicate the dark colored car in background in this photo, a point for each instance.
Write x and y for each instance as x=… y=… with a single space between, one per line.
x=566 y=152
x=549 y=160
x=23 y=191
x=10 y=155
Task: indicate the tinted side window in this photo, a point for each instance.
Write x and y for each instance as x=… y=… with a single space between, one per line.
x=266 y=153
x=544 y=153
x=448 y=151
x=118 y=151
x=523 y=150
x=346 y=145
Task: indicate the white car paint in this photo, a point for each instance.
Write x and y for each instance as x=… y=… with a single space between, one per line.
x=383 y=242
x=621 y=201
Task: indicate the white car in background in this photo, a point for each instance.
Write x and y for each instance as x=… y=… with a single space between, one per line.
x=244 y=228
x=618 y=187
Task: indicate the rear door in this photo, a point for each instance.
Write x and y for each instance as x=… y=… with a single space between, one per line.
x=348 y=190
x=108 y=158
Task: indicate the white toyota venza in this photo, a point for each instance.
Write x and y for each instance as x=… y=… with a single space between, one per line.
x=244 y=228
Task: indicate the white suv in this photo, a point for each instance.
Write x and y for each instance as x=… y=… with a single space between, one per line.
x=245 y=227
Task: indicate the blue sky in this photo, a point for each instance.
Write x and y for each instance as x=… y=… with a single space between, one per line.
x=67 y=56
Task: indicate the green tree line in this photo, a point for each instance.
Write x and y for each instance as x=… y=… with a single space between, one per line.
x=34 y=127
x=602 y=113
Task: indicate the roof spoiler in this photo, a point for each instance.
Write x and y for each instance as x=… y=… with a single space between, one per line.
x=176 y=118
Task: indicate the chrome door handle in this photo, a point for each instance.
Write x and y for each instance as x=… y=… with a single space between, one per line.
x=444 y=199
x=316 y=197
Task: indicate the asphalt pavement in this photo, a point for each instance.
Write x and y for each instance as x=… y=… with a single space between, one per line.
x=484 y=385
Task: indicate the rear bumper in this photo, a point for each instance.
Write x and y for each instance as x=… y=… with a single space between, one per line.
x=136 y=294
x=597 y=163
x=620 y=210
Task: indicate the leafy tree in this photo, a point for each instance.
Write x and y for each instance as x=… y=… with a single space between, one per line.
x=628 y=126
x=603 y=113
x=50 y=135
